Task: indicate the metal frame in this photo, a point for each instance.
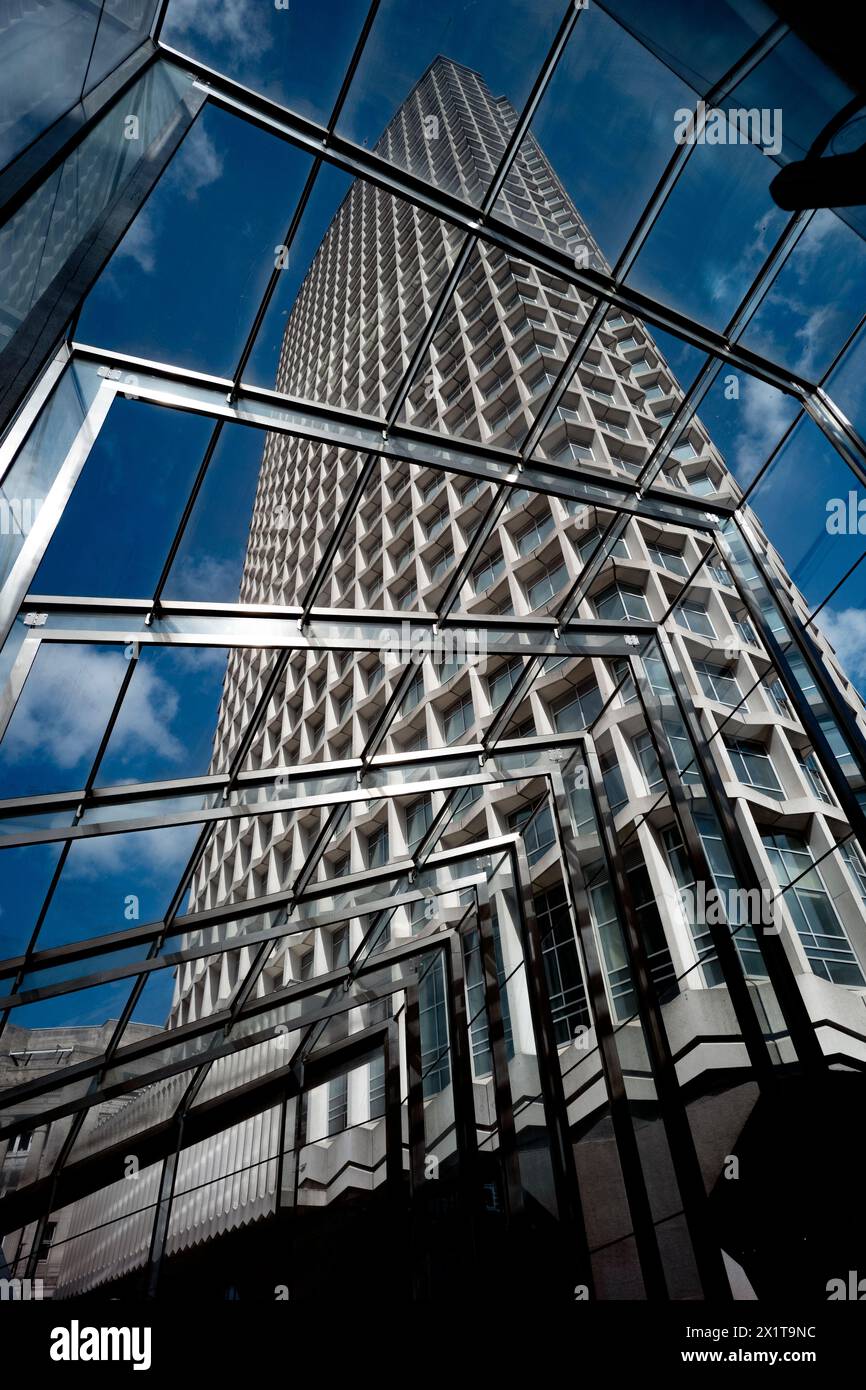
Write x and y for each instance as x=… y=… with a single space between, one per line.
x=306 y=626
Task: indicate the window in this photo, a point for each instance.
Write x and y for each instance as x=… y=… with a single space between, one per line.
x=621 y=601
x=537 y=830
x=435 y=1068
x=650 y=926
x=680 y=749
x=590 y=543
x=649 y=762
x=482 y=1061
x=778 y=700
x=812 y=773
x=570 y=449
x=670 y=560
x=719 y=683
x=603 y=908
x=22 y=1142
x=577 y=708
x=503 y=680
x=833 y=735
x=621 y=672
x=459 y=718
x=613 y=783
x=534 y=534
x=681 y=872
x=471 y=491
x=408 y=596
x=561 y=965
x=415 y=693
x=445 y=669
x=436 y=523
x=487 y=573
x=466 y=800
x=703 y=485
x=441 y=566
x=338 y=1104
x=683 y=452
x=376 y=1087
x=694 y=616
x=430 y=489
x=721 y=575
x=418 y=818
x=47 y=1240
x=547 y=585
x=305 y=966
x=850 y=852
x=754 y=767
x=540 y=382
x=821 y=933
x=746 y=632
x=377 y=847
x=339 y=948
x=734 y=899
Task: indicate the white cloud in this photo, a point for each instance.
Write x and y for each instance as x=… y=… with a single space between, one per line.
x=726 y=282
x=846 y=632
x=139 y=244
x=226 y=22
x=197 y=164
x=62 y=714
x=165 y=850
x=764 y=417
x=206 y=577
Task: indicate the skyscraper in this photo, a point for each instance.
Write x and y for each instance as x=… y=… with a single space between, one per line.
x=495 y=354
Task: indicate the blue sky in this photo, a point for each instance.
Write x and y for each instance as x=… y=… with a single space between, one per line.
x=184 y=287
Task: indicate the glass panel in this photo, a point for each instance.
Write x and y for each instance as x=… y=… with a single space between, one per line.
x=600 y=128
x=122 y=26
x=165 y=727
x=113 y=537
x=462 y=92
x=222 y=177
x=56 y=39
x=294 y=54
x=360 y=353
x=814 y=301
x=25 y=876
x=494 y=353
x=55 y=731
x=210 y=559
x=115 y=882
x=57 y=220
x=745 y=419
x=847 y=383
x=722 y=198
x=28 y=482
x=701 y=53
x=822 y=539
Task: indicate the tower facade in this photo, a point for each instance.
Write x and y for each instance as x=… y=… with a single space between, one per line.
x=349 y=341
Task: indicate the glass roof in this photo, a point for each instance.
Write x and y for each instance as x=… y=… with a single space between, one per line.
x=594 y=325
